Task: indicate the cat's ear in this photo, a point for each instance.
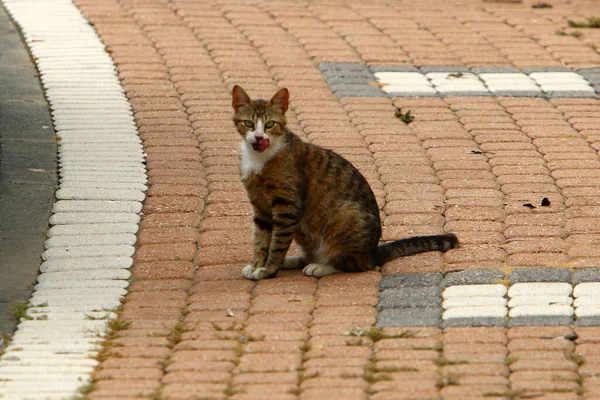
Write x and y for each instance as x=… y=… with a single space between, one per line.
x=239 y=98
x=281 y=99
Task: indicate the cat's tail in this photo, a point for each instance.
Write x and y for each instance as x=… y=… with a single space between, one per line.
x=414 y=245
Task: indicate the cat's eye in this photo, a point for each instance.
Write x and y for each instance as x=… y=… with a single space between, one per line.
x=270 y=124
x=248 y=124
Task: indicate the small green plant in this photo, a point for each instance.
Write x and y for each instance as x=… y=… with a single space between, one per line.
x=176 y=335
x=96 y=318
x=375 y=334
x=440 y=362
x=116 y=325
x=354 y=342
x=510 y=360
x=405 y=117
x=508 y=395
x=576 y=358
x=590 y=22
x=19 y=310
x=446 y=381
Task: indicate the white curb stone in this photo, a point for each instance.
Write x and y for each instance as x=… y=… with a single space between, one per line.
x=102 y=185
x=91 y=229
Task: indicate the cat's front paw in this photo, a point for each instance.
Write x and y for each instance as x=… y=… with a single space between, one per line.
x=319 y=270
x=255 y=274
x=247 y=271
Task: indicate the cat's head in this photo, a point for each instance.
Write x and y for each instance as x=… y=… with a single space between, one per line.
x=260 y=123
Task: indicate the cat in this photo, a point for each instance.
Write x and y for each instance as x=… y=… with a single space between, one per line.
x=302 y=192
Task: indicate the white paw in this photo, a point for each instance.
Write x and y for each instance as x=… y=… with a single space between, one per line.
x=247 y=271
x=292 y=262
x=319 y=270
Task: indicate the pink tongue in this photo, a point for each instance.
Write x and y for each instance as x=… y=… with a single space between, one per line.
x=264 y=143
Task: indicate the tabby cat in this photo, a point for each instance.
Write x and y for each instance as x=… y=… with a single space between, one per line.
x=312 y=195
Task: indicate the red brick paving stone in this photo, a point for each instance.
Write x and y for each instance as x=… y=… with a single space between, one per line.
x=350 y=32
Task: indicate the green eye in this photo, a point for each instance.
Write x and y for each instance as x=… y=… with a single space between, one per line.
x=248 y=123
x=270 y=124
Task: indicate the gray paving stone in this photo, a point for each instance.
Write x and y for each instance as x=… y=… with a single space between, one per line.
x=474 y=93
x=419 y=316
x=374 y=92
x=571 y=94
x=472 y=277
x=586 y=275
x=545 y=69
x=349 y=79
x=413 y=94
x=540 y=321
x=359 y=89
x=516 y=93
x=435 y=68
x=393 y=68
x=410 y=297
x=410 y=280
x=343 y=67
x=540 y=275
x=485 y=321
x=588 y=321
x=493 y=70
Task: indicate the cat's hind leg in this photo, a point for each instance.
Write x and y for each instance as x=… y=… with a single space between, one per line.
x=294 y=262
x=319 y=270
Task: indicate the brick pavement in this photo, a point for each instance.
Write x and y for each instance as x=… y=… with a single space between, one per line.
x=197 y=330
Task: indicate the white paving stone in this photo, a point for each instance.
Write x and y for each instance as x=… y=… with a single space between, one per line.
x=82 y=285
x=540 y=289
x=90 y=240
x=97 y=206
x=88 y=251
x=587 y=289
x=85 y=275
x=587 y=301
x=489 y=290
x=497 y=82
x=475 y=312
x=474 y=301
x=92 y=228
x=590 y=310
x=539 y=300
x=456 y=82
x=541 y=310
x=404 y=82
x=98 y=185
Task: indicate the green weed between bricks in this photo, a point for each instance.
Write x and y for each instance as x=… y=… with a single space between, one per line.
x=590 y=22
x=405 y=117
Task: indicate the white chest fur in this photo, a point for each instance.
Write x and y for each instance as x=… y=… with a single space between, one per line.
x=252 y=161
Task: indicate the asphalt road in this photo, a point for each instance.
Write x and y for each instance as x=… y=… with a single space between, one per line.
x=28 y=171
